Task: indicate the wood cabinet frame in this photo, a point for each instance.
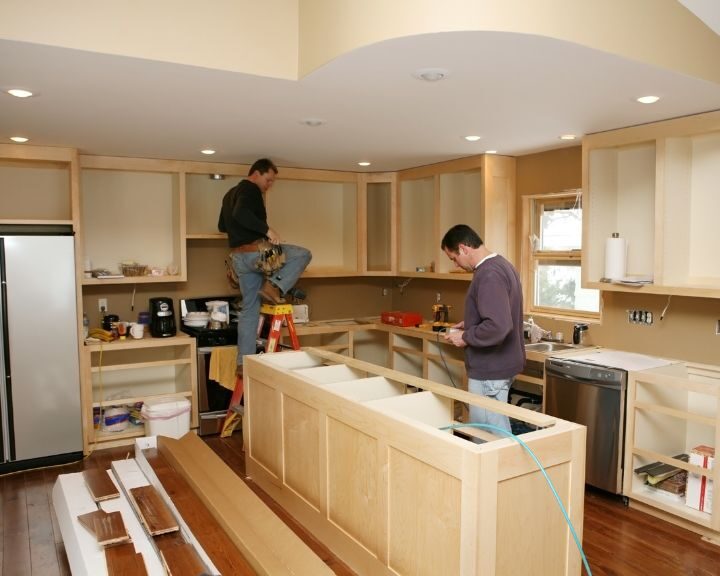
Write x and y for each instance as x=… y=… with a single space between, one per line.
x=366 y=468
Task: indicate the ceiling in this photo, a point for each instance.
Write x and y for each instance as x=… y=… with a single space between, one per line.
x=518 y=92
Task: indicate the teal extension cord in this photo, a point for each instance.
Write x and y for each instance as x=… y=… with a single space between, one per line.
x=517 y=439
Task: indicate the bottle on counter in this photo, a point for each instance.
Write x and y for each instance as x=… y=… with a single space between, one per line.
x=86 y=325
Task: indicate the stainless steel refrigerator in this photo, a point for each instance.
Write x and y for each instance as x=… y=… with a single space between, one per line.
x=40 y=392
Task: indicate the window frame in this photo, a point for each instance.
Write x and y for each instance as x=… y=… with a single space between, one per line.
x=532 y=209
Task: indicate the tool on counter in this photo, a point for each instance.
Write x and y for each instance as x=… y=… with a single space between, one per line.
x=441 y=317
x=404 y=319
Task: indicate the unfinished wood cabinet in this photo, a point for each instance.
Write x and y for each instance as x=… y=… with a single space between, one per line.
x=670 y=410
x=478 y=191
x=375 y=218
x=359 y=455
x=39 y=185
x=133 y=210
x=656 y=186
x=125 y=372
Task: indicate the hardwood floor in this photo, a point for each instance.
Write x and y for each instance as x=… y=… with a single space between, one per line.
x=618 y=541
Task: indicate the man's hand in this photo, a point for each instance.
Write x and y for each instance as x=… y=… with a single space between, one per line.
x=454 y=337
x=273 y=236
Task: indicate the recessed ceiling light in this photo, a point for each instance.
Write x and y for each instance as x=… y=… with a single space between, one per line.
x=312 y=122
x=207 y=151
x=472 y=138
x=648 y=99
x=431 y=74
x=363 y=163
x=19 y=139
x=490 y=151
x=568 y=137
x=19 y=93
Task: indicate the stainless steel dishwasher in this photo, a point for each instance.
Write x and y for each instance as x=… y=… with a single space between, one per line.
x=593 y=396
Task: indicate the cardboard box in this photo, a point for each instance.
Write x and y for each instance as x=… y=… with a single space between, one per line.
x=699 y=488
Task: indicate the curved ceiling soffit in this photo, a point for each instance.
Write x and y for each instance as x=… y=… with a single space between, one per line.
x=676 y=40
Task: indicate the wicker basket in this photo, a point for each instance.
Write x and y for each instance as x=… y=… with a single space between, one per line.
x=133 y=269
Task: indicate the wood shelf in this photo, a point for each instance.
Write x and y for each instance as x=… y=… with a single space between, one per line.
x=670 y=410
x=139 y=365
x=136 y=399
x=135 y=371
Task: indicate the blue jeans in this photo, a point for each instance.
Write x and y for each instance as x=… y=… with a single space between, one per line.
x=251 y=280
x=495 y=389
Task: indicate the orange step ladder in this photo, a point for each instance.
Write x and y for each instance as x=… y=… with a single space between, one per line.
x=278 y=313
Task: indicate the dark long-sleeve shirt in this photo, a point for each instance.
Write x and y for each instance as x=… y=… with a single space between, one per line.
x=493 y=322
x=243 y=216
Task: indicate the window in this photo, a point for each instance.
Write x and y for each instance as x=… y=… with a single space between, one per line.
x=553 y=269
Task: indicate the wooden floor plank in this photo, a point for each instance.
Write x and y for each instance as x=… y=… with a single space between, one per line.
x=214 y=540
x=152 y=511
x=122 y=560
x=16 y=537
x=107 y=527
x=43 y=554
x=181 y=560
x=100 y=485
x=619 y=541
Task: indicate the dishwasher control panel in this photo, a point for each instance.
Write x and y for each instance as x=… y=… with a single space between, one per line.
x=585 y=371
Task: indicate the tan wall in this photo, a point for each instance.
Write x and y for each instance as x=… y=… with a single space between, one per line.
x=687 y=331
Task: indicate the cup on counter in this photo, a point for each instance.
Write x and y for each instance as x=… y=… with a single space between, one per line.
x=137 y=330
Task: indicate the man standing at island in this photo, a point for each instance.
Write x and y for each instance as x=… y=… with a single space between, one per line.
x=492 y=329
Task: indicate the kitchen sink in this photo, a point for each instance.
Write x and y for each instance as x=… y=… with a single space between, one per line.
x=548 y=347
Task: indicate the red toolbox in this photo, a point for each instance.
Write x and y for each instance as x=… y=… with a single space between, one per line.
x=401 y=318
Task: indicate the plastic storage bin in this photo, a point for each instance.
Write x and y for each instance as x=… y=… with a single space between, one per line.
x=166 y=417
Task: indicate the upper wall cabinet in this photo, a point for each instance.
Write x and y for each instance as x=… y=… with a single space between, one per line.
x=311 y=208
x=133 y=211
x=656 y=186
x=477 y=191
x=320 y=215
x=377 y=202
x=39 y=185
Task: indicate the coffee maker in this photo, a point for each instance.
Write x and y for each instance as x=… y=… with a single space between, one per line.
x=162 y=317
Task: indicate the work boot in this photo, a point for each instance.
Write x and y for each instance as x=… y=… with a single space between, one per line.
x=271 y=293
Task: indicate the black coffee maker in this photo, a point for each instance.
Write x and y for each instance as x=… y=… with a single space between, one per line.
x=162 y=317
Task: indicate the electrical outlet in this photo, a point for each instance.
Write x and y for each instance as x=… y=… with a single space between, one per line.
x=640 y=317
x=438 y=297
x=102 y=304
x=385 y=291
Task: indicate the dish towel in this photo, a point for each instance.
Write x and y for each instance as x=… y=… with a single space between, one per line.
x=223 y=364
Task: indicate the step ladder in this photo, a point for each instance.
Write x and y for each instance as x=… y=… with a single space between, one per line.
x=278 y=314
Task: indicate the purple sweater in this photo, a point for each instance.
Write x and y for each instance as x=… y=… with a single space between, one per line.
x=493 y=322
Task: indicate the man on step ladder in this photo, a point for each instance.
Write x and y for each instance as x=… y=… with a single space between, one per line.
x=261 y=266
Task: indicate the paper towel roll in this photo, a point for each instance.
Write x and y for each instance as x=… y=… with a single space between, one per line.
x=615 y=257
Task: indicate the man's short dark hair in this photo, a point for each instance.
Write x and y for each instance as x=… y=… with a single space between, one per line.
x=262 y=166
x=460 y=234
